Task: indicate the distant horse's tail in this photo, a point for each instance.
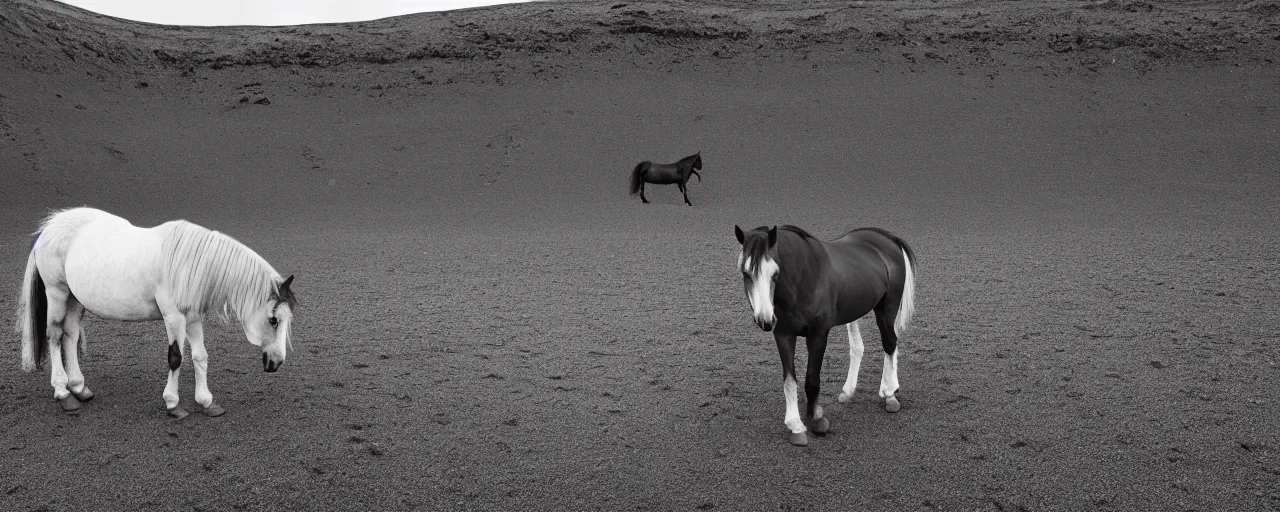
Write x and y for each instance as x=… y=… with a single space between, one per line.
x=637 y=176
x=33 y=310
x=907 y=305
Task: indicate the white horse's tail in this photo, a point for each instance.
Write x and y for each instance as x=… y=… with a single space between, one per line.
x=908 y=304
x=33 y=310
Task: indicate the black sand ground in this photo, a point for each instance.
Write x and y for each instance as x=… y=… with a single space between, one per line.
x=488 y=321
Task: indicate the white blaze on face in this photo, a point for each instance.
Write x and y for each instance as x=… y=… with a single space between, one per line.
x=284 y=321
x=760 y=288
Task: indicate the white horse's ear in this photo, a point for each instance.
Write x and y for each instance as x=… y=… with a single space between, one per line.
x=737 y=231
x=284 y=293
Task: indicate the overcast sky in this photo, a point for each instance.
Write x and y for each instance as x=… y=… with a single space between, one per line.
x=268 y=12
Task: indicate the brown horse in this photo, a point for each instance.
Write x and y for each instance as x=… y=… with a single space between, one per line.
x=666 y=174
x=801 y=286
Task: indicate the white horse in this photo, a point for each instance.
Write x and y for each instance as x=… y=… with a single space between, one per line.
x=83 y=259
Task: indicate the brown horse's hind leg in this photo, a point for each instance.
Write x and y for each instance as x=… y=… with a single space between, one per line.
x=856 y=349
x=642 y=199
x=889 y=338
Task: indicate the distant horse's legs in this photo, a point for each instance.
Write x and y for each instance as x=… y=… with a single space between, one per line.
x=856 y=349
x=646 y=201
x=817 y=345
x=685 y=192
x=70 y=349
x=787 y=350
x=889 y=378
x=57 y=313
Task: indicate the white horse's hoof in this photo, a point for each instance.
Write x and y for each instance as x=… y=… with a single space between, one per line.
x=820 y=426
x=798 y=439
x=178 y=413
x=844 y=398
x=84 y=395
x=213 y=410
x=891 y=404
x=69 y=404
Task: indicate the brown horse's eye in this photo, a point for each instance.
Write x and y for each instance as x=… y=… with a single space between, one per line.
x=273 y=321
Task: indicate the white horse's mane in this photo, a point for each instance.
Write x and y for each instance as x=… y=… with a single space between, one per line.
x=210 y=272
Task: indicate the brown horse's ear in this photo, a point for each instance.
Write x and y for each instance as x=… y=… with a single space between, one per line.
x=773 y=236
x=737 y=231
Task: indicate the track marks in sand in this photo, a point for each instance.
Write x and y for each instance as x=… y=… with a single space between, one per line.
x=26 y=149
x=6 y=129
x=315 y=162
x=313 y=159
x=114 y=154
x=503 y=145
x=10 y=134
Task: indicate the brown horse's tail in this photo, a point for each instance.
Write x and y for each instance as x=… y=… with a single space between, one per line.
x=637 y=176
x=33 y=308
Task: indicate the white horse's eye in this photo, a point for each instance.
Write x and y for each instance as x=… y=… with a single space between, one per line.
x=273 y=321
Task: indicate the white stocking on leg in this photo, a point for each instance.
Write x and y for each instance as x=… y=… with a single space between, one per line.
x=856 y=350
x=200 y=362
x=889 y=382
x=70 y=351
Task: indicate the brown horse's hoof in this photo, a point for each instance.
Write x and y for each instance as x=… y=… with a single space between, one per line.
x=820 y=426
x=178 y=413
x=798 y=439
x=84 y=395
x=69 y=404
x=213 y=410
x=891 y=404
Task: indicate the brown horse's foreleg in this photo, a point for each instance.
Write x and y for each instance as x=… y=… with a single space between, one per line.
x=817 y=345
x=787 y=350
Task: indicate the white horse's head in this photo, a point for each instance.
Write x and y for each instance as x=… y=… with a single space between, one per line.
x=759 y=266
x=268 y=326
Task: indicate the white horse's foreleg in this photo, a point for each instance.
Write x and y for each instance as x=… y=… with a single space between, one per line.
x=200 y=361
x=70 y=349
x=176 y=325
x=856 y=350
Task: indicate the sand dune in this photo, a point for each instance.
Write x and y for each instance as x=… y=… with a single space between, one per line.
x=489 y=321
